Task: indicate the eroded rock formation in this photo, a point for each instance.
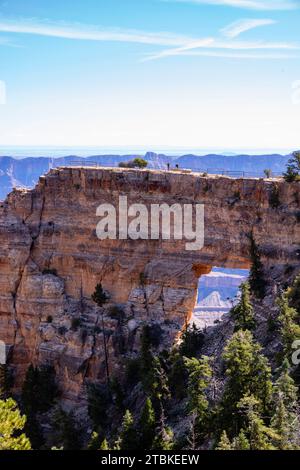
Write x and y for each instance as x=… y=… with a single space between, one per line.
x=51 y=260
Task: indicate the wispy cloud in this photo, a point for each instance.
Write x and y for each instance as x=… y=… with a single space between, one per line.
x=248 y=4
x=220 y=48
x=239 y=55
x=91 y=33
x=173 y=44
x=238 y=27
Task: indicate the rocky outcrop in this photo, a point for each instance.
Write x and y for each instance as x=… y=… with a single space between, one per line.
x=51 y=260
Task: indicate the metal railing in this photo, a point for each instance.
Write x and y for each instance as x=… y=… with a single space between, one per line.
x=209 y=171
x=237 y=174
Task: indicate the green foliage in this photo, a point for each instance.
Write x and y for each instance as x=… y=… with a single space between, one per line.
x=135 y=163
x=199 y=375
x=151 y=368
x=164 y=438
x=117 y=393
x=286 y=425
x=177 y=376
x=293 y=168
x=259 y=436
x=140 y=163
x=11 y=426
x=66 y=433
x=94 y=443
x=128 y=438
x=192 y=341
x=156 y=384
x=39 y=389
x=224 y=443
x=241 y=442
x=248 y=374
x=274 y=199
x=243 y=313
x=98 y=402
x=147 y=426
x=257 y=281
x=133 y=371
x=5 y=381
x=293 y=294
x=104 y=445
x=285 y=420
x=290 y=330
x=34 y=431
x=39 y=393
x=285 y=387
x=99 y=296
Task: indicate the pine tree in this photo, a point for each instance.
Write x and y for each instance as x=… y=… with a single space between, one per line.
x=164 y=435
x=65 y=429
x=94 y=443
x=147 y=426
x=39 y=389
x=285 y=386
x=193 y=436
x=286 y=425
x=285 y=420
x=164 y=440
x=293 y=168
x=243 y=312
x=260 y=437
x=257 y=280
x=5 y=381
x=293 y=294
x=146 y=353
x=192 y=339
x=158 y=383
x=104 y=445
x=100 y=298
x=290 y=330
x=199 y=375
x=128 y=436
x=11 y=424
x=241 y=442
x=30 y=391
x=248 y=373
x=224 y=443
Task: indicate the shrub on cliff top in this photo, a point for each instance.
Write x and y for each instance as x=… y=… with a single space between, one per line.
x=135 y=163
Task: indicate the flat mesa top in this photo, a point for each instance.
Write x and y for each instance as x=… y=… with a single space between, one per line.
x=172 y=171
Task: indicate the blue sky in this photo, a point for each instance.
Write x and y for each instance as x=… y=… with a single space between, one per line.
x=152 y=73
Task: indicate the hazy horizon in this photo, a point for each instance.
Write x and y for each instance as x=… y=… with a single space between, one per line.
x=88 y=151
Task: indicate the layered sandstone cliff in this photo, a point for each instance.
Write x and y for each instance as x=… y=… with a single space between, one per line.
x=51 y=260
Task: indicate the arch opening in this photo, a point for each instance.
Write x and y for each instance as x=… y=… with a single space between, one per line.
x=217 y=292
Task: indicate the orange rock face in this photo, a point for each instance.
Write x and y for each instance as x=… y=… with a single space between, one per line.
x=51 y=260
